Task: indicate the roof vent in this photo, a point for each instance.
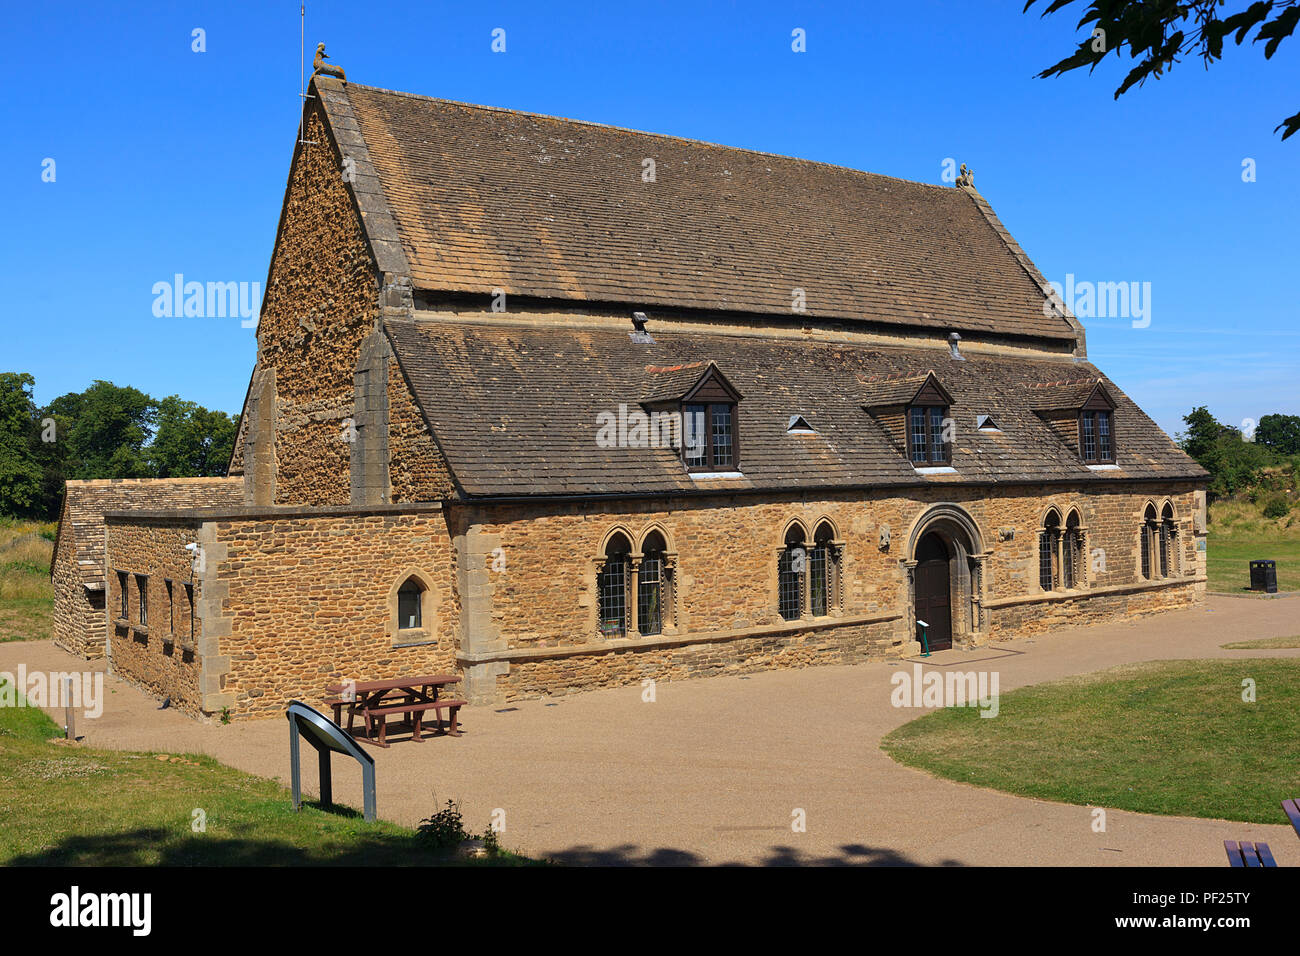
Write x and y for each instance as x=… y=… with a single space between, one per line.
x=638 y=333
x=798 y=425
x=985 y=423
x=953 y=339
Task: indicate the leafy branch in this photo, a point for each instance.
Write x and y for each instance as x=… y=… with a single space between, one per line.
x=1161 y=33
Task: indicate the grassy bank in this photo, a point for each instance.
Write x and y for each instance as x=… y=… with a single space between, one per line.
x=1239 y=533
x=67 y=805
x=1171 y=737
x=26 y=595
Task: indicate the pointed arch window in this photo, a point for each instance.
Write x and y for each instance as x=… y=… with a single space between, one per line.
x=1149 y=530
x=652 y=585
x=824 y=572
x=410 y=610
x=1168 y=542
x=1049 y=539
x=612 y=584
x=1072 y=553
x=792 y=564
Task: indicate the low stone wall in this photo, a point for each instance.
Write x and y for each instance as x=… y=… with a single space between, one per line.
x=1044 y=615
x=709 y=656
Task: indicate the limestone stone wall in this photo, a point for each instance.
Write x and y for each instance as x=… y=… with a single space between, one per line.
x=321 y=301
x=310 y=600
x=78 y=624
x=540 y=589
x=78 y=565
x=290 y=600
x=161 y=655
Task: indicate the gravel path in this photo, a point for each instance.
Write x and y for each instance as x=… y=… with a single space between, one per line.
x=714 y=770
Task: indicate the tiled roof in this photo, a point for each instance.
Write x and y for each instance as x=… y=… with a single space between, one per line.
x=890 y=389
x=472 y=199
x=515 y=409
x=1057 y=396
x=666 y=382
x=87 y=501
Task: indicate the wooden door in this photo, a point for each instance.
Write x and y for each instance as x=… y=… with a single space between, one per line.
x=934 y=592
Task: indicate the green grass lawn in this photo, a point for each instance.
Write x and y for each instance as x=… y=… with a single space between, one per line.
x=76 y=806
x=1169 y=737
x=25 y=619
x=1239 y=534
x=1265 y=643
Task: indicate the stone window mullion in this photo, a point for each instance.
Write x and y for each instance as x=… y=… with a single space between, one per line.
x=633 y=604
x=668 y=575
x=805 y=600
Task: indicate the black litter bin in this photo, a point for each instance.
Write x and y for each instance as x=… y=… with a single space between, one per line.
x=1263 y=576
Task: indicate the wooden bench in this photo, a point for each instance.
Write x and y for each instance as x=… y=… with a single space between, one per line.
x=1248 y=854
x=1292 y=810
x=373 y=715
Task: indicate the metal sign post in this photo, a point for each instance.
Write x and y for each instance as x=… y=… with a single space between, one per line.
x=925 y=643
x=327 y=737
x=69 y=716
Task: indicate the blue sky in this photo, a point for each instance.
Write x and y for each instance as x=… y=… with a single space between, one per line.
x=170 y=161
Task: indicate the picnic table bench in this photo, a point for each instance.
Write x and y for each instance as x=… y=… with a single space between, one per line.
x=1258 y=854
x=376 y=700
x=1292 y=810
x=1248 y=854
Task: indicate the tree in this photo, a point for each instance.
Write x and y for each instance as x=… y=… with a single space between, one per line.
x=102 y=432
x=1233 y=462
x=1279 y=433
x=1203 y=432
x=20 y=472
x=1158 y=32
x=191 y=441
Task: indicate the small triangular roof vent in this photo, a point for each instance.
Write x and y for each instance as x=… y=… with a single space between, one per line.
x=985 y=423
x=798 y=425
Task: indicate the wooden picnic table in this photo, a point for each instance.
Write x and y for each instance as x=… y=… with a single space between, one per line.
x=375 y=700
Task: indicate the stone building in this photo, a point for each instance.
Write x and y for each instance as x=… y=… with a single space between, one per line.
x=560 y=406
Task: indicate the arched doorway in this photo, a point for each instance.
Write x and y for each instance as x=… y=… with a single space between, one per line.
x=945 y=577
x=934 y=591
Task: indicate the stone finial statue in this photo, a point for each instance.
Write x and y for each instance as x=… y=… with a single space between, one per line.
x=966 y=177
x=325 y=69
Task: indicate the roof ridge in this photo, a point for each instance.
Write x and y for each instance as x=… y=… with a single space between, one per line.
x=1066 y=382
x=108 y=482
x=642 y=132
x=655 y=369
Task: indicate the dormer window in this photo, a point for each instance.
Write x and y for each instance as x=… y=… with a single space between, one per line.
x=1096 y=428
x=925 y=435
x=1095 y=437
x=709 y=409
x=929 y=426
x=709 y=436
x=915 y=411
x=1082 y=414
